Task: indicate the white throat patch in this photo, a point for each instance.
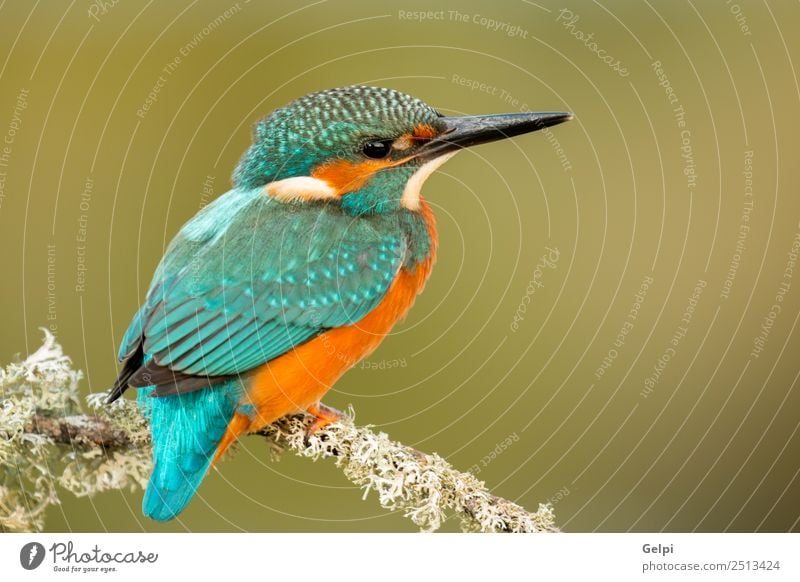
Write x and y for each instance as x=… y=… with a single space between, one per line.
x=300 y=188
x=410 y=197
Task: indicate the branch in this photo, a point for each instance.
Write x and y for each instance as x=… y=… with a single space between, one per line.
x=425 y=487
x=78 y=430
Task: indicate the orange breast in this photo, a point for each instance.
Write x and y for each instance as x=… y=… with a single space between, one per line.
x=299 y=378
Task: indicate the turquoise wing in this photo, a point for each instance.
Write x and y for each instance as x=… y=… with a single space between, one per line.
x=249 y=279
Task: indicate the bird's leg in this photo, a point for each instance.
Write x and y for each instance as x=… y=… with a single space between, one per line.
x=323 y=416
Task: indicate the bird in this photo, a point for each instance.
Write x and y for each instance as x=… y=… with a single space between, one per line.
x=271 y=292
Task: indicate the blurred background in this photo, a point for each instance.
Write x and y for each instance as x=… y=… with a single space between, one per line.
x=611 y=325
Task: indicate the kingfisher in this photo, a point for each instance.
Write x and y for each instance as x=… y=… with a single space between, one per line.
x=269 y=294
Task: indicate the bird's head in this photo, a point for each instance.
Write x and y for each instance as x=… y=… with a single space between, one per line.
x=369 y=149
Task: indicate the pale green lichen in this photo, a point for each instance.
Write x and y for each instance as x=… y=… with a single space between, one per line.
x=44 y=381
x=99 y=470
x=425 y=488
x=95 y=471
x=122 y=414
x=32 y=464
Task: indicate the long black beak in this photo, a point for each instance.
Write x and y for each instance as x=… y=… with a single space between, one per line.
x=463 y=132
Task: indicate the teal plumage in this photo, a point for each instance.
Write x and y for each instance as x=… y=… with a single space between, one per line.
x=328 y=125
x=186 y=430
x=243 y=282
x=272 y=276
x=323 y=234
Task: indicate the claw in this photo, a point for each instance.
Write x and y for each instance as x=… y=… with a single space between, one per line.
x=323 y=416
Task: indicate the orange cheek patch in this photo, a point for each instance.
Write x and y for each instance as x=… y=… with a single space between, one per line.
x=345 y=176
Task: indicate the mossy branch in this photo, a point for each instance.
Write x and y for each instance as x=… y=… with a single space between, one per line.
x=40 y=416
x=78 y=430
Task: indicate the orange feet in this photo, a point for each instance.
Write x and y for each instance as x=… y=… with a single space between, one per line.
x=323 y=416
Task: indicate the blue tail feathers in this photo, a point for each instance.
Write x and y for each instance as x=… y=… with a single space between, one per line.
x=186 y=430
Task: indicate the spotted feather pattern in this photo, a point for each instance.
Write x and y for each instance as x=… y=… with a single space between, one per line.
x=226 y=299
x=330 y=124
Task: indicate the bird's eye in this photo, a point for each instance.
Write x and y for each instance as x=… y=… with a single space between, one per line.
x=377 y=148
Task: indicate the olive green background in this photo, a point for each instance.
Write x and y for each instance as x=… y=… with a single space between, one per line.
x=497 y=364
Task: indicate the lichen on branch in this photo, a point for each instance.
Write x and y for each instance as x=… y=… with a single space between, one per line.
x=46 y=439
